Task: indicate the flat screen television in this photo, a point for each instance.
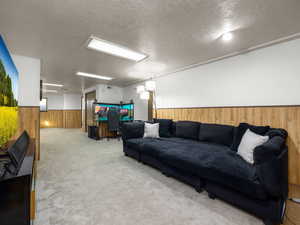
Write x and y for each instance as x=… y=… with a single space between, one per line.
x=126 y=111
x=8 y=95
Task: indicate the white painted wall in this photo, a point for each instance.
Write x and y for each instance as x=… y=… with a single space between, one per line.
x=57 y=101
x=140 y=106
x=29 y=80
x=72 y=101
x=269 y=76
x=113 y=94
x=265 y=77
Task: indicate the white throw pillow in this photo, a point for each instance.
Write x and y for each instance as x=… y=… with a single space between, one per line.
x=249 y=142
x=151 y=130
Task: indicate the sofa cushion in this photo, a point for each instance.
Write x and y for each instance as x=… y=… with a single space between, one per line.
x=241 y=129
x=180 y=140
x=151 y=130
x=216 y=133
x=165 y=127
x=156 y=147
x=248 y=143
x=132 y=130
x=187 y=129
x=137 y=143
x=173 y=129
x=216 y=163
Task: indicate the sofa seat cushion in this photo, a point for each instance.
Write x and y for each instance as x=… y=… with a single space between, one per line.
x=179 y=140
x=137 y=143
x=216 y=163
x=157 y=147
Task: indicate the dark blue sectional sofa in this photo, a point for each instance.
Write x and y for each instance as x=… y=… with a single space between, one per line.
x=205 y=156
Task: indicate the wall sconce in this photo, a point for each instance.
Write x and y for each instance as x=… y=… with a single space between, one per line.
x=150 y=85
x=140 y=89
x=145 y=95
x=146 y=90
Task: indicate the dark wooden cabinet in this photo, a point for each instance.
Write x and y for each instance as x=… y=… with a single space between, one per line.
x=16 y=193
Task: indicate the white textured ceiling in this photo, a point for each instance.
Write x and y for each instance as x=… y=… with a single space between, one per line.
x=174 y=33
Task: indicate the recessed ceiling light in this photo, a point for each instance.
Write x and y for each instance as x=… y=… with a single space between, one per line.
x=114 y=49
x=227 y=36
x=93 y=76
x=50 y=91
x=54 y=85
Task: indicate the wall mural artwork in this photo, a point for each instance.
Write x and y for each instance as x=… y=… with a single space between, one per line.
x=8 y=95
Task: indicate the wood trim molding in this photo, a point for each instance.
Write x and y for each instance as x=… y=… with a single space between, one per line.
x=286 y=117
x=209 y=107
x=29 y=106
x=29 y=120
x=150 y=106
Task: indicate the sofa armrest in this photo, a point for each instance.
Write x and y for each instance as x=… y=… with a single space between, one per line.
x=268 y=150
x=271 y=162
x=132 y=130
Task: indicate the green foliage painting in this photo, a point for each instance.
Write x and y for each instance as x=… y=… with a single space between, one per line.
x=8 y=95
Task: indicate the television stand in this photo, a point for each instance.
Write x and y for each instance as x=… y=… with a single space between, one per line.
x=17 y=192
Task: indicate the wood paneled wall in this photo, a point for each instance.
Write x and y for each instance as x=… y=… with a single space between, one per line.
x=52 y=119
x=72 y=118
x=29 y=120
x=287 y=117
x=292 y=213
x=61 y=119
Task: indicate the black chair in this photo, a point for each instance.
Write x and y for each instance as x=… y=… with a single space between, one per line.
x=113 y=120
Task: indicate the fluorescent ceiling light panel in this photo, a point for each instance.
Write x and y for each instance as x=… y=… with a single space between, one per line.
x=53 y=85
x=93 y=76
x=114 y=49
x=227 y=36
x=50 y=91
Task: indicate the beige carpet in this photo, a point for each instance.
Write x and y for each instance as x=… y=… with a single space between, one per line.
x=87 y=182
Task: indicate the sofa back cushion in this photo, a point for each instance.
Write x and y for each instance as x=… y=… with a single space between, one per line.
x=216 y=133
x=165 y=127
x=187 y=129
x=132 y=130
x=173 y=129
x=241 y=129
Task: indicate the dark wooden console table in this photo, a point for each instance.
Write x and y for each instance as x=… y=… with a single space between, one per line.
x=17 y=195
